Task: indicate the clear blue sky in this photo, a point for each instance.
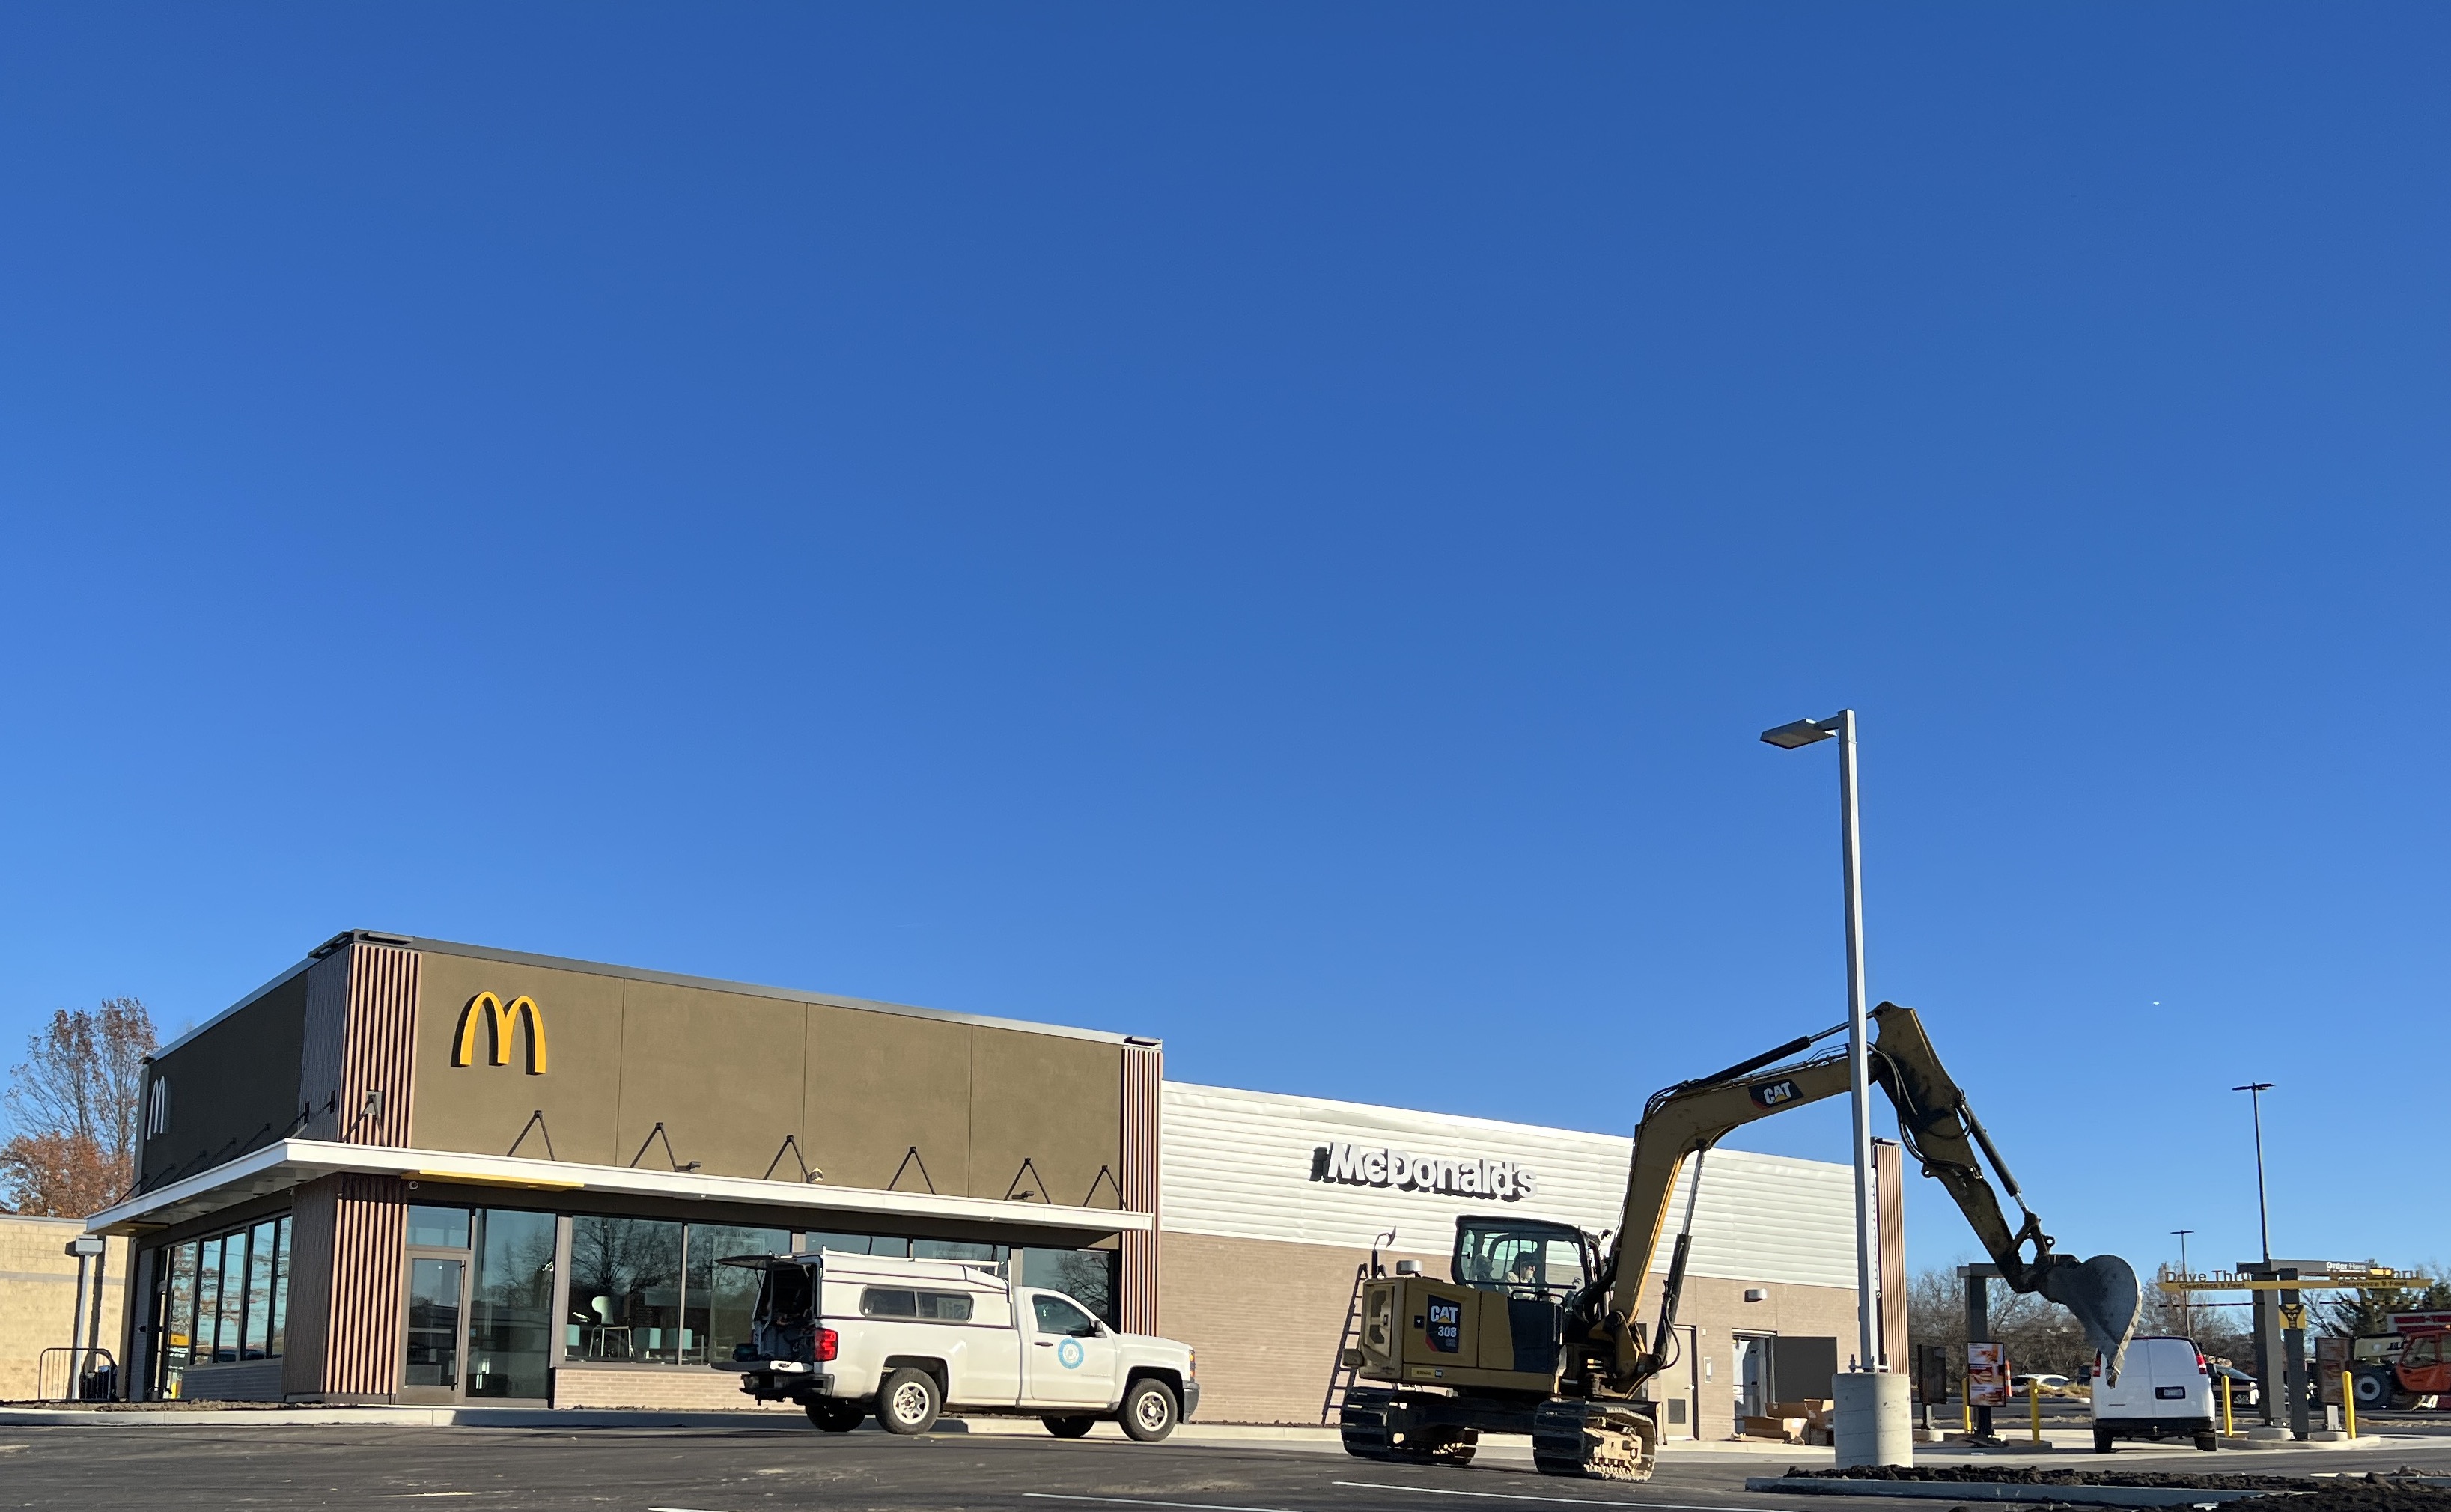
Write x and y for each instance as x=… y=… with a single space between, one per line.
x=1277 y=528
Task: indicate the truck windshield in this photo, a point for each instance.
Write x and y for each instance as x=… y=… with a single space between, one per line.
x=1514 y=1255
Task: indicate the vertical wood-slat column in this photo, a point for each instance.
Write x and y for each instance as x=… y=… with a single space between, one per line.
x=381 y=1047
x=1144 y=1077
x=348 y=1232
x=362 y=1357
x=1889 y=1222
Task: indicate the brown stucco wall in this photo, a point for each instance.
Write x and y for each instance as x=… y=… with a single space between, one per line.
x=1267 y=1316
x=730 y=1075
x=233 y=1086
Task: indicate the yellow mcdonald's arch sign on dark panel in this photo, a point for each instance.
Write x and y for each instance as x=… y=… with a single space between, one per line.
x=503 y=1021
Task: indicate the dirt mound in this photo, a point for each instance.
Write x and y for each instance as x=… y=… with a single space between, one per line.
x=2022 y=1475
x=2359 y=1495
x=2391 y=1491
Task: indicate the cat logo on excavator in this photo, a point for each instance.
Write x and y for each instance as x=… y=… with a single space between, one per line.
x=1769 y=1095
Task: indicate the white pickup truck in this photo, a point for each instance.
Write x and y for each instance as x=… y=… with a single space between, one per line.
x=845 y=1335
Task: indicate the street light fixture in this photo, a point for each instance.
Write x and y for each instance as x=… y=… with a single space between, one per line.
x=2255 y=1091
x=1790 y=738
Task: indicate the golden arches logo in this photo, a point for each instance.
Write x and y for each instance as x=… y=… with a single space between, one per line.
x=503 y=1021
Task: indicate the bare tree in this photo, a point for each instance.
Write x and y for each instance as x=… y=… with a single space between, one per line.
x=72 y=1106
x=2039 y=1335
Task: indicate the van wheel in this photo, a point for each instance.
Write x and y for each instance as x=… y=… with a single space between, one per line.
x=1068 y=1427
x=2102 y=1440
x=1149 y=1411
x=908 y=1402
x=835 y=1417
x=2207 y=1442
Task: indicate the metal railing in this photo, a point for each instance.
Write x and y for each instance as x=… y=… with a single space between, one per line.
x=81 y=1373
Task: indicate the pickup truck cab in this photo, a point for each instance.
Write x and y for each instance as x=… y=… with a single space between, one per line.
x=848 y=1335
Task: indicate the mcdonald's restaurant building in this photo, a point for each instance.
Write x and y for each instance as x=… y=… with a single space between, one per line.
x=412 y=1171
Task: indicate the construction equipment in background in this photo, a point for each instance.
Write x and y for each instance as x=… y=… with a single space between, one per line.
x=1536 y=1332
x=2406 y=1366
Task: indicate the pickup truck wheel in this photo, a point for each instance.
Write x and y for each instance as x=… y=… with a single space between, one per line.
x=908 y=1402
x=1148 y=1413
x=835 y=1417
x=2102 y=1440
x=1068 y=1427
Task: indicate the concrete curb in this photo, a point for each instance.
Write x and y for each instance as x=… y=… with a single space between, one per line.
x=397 y=1418
x=271 y=1417
x=2000 y=1491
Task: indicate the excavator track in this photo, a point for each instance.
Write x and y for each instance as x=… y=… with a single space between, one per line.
x=1600 y=1441
x=1374 y=1425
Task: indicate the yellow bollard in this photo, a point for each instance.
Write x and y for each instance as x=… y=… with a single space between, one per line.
x=2349 y=1404
x=2034 y=1398
x=1970 y=1410
x=2229 y=1424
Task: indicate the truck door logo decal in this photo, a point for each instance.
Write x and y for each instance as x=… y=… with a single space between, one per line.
x=1067 y=1354
x=1446 y=1326
x=1771 y=1095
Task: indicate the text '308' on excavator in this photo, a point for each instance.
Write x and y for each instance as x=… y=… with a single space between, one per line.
x=1534 y=1332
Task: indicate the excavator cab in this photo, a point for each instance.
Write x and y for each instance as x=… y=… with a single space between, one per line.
x=1522 y=1257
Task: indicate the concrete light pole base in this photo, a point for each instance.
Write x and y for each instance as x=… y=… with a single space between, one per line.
x=1873 y=1419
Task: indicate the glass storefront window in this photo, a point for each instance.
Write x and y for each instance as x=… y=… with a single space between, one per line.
x=256 y=1343
x=179 y=1318
x=438 y=1227
x=955 y=1250
x=279 y=1285
x=1086 y=1276
x=229 y=1337
x=510 y=1313
x=431 y=1362
x=719 y=1298
x=856 y=1243
x=224 y=1300
x=626 y=1289
x=209 y=1299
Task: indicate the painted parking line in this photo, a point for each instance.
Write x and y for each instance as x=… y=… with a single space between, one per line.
x=1136 y=1501
x=1565 y=1501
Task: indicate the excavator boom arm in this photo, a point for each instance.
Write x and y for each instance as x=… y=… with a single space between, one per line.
x=1688 y=1119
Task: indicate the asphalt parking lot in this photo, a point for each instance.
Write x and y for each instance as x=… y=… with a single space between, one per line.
x=688 y=1470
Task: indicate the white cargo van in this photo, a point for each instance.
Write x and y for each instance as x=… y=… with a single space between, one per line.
x=846 y=1335
x=2165 y=1392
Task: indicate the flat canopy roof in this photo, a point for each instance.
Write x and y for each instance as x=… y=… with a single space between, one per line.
x=294 y=1162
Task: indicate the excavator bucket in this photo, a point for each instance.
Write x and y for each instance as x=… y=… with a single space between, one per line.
x=2102 y=1295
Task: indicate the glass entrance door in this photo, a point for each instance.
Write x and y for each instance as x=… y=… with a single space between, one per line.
x=438 y=1328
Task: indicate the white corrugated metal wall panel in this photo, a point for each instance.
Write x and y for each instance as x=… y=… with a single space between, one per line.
x=1238 y=1164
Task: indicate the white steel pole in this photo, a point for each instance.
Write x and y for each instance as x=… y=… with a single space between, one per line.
x=1858 y=1059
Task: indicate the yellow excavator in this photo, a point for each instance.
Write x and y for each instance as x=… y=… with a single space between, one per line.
x=1535 y=1332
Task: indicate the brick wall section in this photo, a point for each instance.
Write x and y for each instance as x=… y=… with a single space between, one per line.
x=1716 y=1311
x=38 y=1297
x=656 y=1390
x=1266 y=1318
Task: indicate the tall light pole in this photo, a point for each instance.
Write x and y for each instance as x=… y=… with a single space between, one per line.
x=1790 y=738
x=2255 y=1091
x=2186 y=1299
